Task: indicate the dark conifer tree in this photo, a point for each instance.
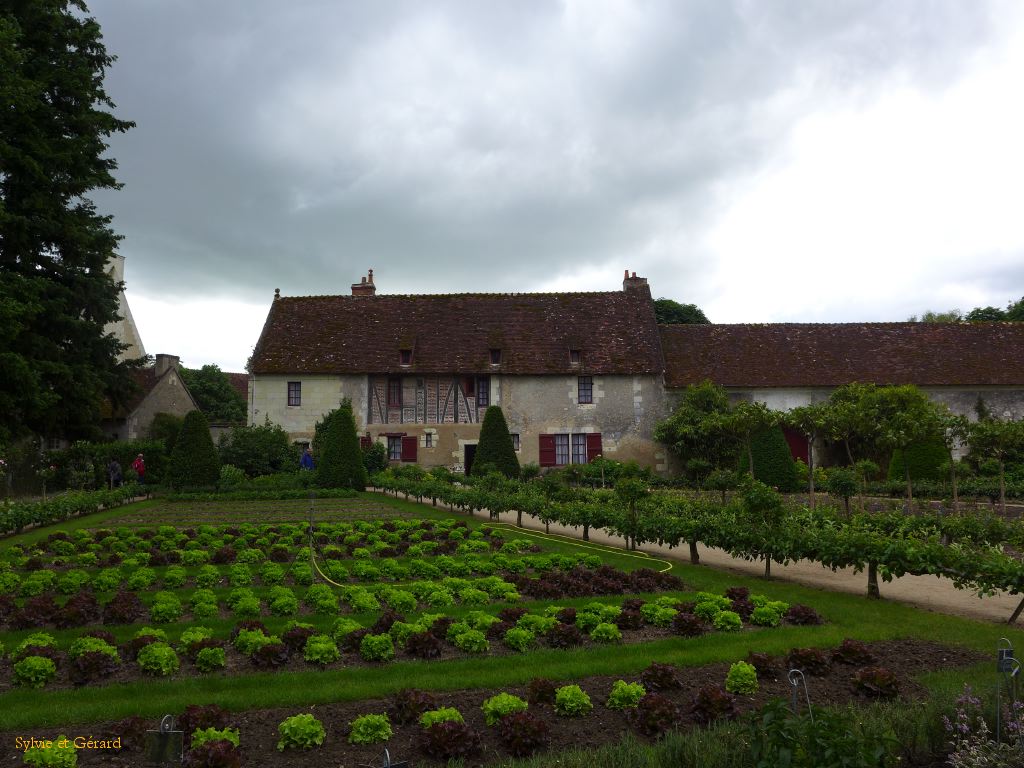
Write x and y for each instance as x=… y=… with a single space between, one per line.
x=57 y=365
x=495 y=451
x=194 y=461
x=338 y=455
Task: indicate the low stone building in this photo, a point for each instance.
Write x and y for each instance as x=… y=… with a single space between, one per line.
x=161 y=390
x=583 y=374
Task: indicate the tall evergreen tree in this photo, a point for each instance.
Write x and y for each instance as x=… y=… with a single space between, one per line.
x=339 y=458
x=495 y=452
x=56 y=363
x=194 y=461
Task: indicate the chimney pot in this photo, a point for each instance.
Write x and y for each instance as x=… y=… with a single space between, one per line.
x=365 y=286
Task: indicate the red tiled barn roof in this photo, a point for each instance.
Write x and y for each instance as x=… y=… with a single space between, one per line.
x=615 y=331
x=828 y=355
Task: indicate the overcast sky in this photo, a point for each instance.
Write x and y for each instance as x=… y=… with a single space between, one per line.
x=790 y=160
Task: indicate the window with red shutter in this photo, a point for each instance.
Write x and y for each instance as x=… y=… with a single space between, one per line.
x=409 y=448
x=547 y=450
x=593 y=445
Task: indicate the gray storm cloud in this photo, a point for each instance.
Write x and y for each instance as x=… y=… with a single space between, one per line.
x=473 y=146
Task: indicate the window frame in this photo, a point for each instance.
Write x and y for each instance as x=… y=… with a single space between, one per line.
x=428 y=439
x=578 y=448
x=575 y=356
x=483 y=386
x=495 y=356
x=405 y=357
x=394 y=386
x=394 y=447
x=516 y=442
x=562 y=449
x=584 y=384
x=294 y=394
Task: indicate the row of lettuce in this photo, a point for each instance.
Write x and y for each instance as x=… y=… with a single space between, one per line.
x=975 y=551
x=15 y=516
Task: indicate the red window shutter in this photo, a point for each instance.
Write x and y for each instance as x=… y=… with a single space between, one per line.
x=364 y=441
x=547 y=450
x=593 y=445
x=409 y=448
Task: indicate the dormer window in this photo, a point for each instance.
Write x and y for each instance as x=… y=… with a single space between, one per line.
x=495 y=357
x=574 y=357
x=405 y=357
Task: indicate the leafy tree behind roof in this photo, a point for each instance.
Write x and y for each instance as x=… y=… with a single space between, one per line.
x=211 y=388
x=669 y=312
x=58 y=363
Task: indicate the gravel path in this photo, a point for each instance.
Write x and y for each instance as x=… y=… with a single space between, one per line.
x=928 y=592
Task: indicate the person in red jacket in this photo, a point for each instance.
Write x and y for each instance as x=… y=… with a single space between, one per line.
x=139 y=465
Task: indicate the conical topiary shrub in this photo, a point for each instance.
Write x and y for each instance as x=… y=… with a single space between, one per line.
x=495 y=451
x=194 y=462
x=340 y=460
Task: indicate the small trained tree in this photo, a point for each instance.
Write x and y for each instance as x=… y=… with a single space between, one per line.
x=765 y=511
x=744 y=422
x=340 y=460
x=696 y=430
x=842 y=483
x=629 y=492
x=1000 y=441
x=194 y=462
x=810 y=421
x=495 y=451
x=375 y=457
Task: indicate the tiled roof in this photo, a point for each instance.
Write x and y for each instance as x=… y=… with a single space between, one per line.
x=615 y=331
x=827 y=355
x=239 y=383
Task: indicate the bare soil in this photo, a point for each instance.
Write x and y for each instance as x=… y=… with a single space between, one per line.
x=258 y=728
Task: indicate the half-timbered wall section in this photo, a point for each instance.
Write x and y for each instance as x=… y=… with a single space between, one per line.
x=428 y=399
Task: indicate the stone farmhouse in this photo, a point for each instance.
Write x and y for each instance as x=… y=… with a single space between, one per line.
x=582 y=374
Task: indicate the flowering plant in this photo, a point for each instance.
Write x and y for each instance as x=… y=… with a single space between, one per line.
x=972 y=744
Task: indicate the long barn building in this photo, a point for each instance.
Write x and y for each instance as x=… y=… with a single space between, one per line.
x=583 y=374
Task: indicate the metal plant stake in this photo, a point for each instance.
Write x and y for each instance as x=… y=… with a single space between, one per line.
x=797 y=678
x=166 y=744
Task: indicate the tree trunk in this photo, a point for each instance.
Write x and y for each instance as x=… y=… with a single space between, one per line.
x=768 y=567
x=910 y=487
x=547 y=527
x=519 y=518
x=846 y=503
x=723 y=497
x=750 y=455
x=694 y=554
x=873 y=580
x=1016 y=612
x=810 y=467
x=956 y=493
x=586 y=531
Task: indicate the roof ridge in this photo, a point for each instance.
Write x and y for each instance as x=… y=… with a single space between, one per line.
x=452 y=295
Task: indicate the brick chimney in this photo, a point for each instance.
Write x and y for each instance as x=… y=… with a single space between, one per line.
x=632 y=282
x=164 y=363
x=364 y=287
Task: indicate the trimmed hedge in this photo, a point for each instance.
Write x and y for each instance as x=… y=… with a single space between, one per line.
x=925 y=462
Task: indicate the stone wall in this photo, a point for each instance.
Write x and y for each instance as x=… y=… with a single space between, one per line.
x=268 y=397
x=169 y=395
x=625 y=411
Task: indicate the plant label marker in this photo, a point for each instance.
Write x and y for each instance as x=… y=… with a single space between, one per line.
x=389 y=764
x=166 y=745
x=796 y=678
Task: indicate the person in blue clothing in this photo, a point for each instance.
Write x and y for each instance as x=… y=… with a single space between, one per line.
x=307 y=459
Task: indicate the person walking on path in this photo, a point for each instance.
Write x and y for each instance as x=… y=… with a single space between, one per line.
x=114 y=471
x=307 y=459
x=139 y=465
